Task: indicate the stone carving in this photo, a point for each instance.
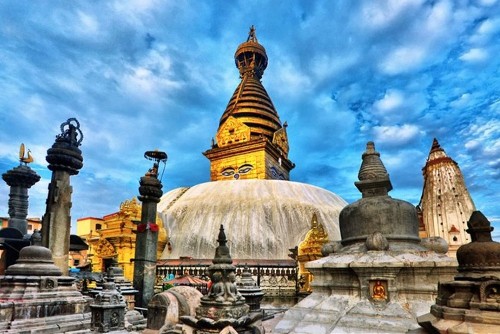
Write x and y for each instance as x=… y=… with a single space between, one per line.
x=471 y=302
x=224 y=305
x=377 y=242
x=381 y=278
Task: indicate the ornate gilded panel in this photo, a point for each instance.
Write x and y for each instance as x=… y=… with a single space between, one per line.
x=231 y=132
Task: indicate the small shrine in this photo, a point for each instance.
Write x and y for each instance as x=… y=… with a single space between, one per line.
x=309 y=250
x=249 y=289
x=379 y=278
x=108 y=308
x=36 y=298
x=224 y=307
x=471 y=302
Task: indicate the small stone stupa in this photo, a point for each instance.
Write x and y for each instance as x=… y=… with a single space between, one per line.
x=36 y=298
x=470 y=303
x=381 y=278
x=224 y=307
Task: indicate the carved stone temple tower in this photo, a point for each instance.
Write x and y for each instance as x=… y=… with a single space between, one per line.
x=65 y=159
x=381 y=278
x=445 y=205
x=251 y=142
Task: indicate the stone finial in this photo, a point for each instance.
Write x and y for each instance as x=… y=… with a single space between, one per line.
x=481 y=257
x=376 y=242
x=64 y=154
x=479 y=227
x=34 y=261
x=373 y=177
x=222 y=254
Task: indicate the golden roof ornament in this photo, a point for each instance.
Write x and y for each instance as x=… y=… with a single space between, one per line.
x=26 y=159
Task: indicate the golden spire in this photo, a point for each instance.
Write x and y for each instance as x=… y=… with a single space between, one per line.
x=250 y=142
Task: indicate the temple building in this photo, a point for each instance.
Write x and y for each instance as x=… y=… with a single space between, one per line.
x=265 y=214
x=112 y=237
x=445 y=205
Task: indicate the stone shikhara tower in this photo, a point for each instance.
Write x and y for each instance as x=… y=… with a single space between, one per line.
x=445 y=205
x=65 y=159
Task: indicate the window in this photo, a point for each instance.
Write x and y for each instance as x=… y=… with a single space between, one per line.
x=98 y=226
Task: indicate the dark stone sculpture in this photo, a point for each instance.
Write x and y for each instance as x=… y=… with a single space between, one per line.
x=470 y=303
x=36 y=298
x=224 y=306
x=65 y=159
x=108 y=309
x=250 y=290
x=399 y=217
x=147 y=231
x=19 y=179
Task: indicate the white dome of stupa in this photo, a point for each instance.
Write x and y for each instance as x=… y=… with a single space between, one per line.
x=262 y=218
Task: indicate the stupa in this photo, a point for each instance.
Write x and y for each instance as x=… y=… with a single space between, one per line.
x=470 y=303
x=381 y=278
x=250 y=193
x=36 y=298
x=445 y=205
x=223 y=308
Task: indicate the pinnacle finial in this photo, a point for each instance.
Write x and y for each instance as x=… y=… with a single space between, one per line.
x=373 y=177
x=435 y=145
x=222 y=254
x=252 y=37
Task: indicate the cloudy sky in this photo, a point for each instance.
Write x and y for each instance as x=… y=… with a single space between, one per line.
x=146 y=74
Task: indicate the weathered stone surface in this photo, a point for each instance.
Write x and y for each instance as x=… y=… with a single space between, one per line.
x=65 y=159
x=470 y=303
x=38 y=300
x=165 y=308
x=382 y=278
x=280 y=211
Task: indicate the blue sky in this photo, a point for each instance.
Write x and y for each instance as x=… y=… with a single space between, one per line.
x=141 y=75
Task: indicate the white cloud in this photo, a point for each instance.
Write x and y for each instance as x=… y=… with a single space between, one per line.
x=403 y=59
x=393 y=99
x=382 y=13
x=396 y=135
x=475 y=55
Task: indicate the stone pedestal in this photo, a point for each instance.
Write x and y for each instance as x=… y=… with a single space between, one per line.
x=250 y=290
x=19 y=179
x=108 y=308
x=471 y=302
x=36 y=298
x=65 y=159
x=147 y=240
x=224 y=308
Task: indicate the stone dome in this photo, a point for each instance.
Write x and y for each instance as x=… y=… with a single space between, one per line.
x=262 y=218
x=481 y=257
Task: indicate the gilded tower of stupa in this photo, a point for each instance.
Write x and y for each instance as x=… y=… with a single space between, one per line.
x=251 y=142
x=250 y=192
x=445 y=205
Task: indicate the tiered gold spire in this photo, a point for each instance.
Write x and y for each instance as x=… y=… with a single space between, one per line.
x=251 y=142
